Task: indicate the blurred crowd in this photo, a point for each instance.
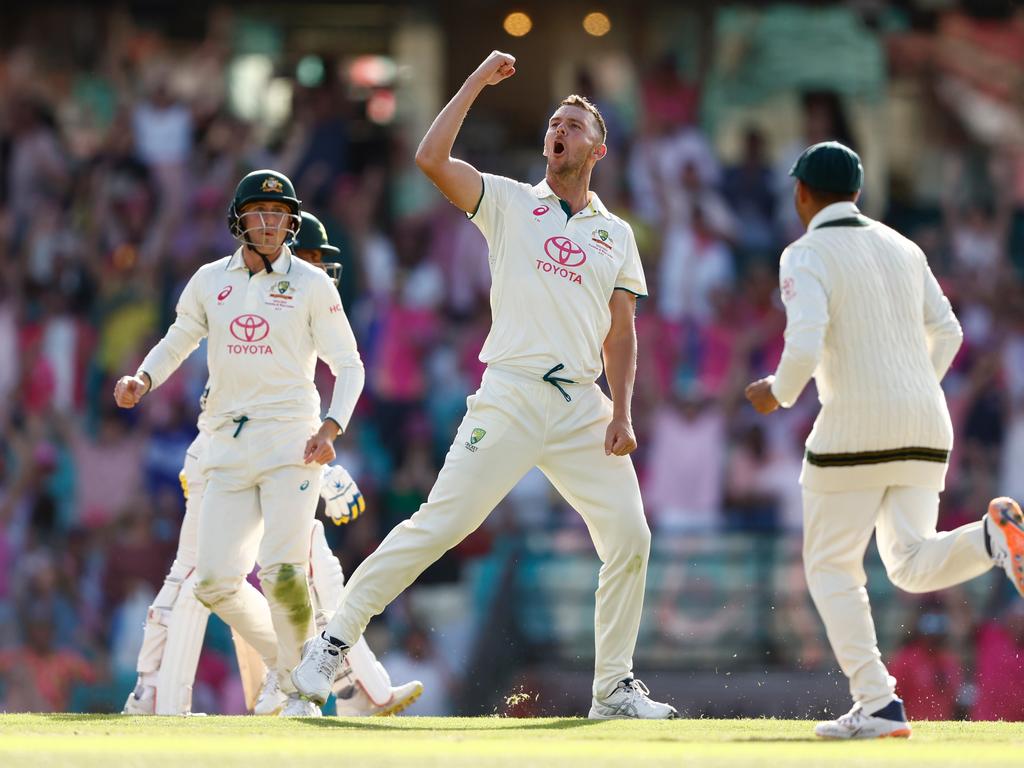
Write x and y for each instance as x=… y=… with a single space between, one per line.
x=116 y=172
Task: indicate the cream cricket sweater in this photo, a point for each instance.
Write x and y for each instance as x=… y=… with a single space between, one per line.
x=866 y=318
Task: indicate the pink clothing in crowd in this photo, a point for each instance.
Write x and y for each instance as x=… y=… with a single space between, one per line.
x=999 y=675
x=405 y=335
x=107 y=476
x=685 y=468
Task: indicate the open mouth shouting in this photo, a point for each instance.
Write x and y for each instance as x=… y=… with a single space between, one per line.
x=558 y=148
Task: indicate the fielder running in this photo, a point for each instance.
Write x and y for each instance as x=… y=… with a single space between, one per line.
x=866 y=318
x=176 y=622
x=566 y=274
x=268 y=316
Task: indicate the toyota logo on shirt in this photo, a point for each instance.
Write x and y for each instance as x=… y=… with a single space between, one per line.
x=564 y=251
x=249 y=328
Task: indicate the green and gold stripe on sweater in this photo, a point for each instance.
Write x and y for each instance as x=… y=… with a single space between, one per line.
x=937 y=455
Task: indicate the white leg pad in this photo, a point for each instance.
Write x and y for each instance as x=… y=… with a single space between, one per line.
x=186 y=626
x=369 y=673
x=326 y=578
x=154 y=635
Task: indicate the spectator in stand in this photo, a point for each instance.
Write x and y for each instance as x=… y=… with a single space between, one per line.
x=37 y=168
x=931 y=676
x=407 y=326
x=136 y=557
x=999 y=674
x=695 y=263
x=40 y=590
x=108 y=470
x=686 y=461
x=752 y=491
x=977 y=228
x=668 y=142
x=163 y=128
x=40 y=677
x=748 y=189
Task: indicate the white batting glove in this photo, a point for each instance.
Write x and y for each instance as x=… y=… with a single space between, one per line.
x=343 y=502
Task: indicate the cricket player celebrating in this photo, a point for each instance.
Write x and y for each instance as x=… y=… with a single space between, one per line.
x=268 y=316
x=566 y=274
x=866 y=318
x=176 y=622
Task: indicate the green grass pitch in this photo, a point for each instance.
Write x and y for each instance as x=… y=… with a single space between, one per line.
x=225 y=742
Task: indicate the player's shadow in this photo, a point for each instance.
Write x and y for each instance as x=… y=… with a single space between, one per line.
x=76 y=717
x=360 y=725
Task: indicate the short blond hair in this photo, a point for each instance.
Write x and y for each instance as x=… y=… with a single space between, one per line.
x=575 y=100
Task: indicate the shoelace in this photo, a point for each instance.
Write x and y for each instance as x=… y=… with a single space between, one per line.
x=327 y=660
x=637 y=688
x=270 y=683
x=852 y=719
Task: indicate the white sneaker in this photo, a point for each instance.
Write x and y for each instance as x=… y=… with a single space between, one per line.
x=314 y=675
x=631 y=700
x=297 y=706
x=271 y=698
x=888 y=722
x=352 y=701
x=141 y=701
x=1004 y=535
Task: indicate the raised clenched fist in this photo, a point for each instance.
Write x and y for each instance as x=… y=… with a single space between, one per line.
x=496 y=67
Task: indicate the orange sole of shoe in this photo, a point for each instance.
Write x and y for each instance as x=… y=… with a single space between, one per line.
x=398 y=706
x=1006 y=513
x=903 y=733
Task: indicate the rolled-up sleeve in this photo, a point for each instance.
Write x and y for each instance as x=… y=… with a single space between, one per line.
x=189 y=328
x=336 y=345
x=802 y=284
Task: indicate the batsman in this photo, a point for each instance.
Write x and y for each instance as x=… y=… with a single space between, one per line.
x=268 y=316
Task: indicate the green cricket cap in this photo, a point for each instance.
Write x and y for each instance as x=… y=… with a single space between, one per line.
x=830 y=167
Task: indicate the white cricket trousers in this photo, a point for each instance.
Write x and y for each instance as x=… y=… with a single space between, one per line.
x=837 y=529
x=513 y=423
x=254 y=475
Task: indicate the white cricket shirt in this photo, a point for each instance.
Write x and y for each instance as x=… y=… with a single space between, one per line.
x=552 y=278
x=265 y=333
x=866 y=317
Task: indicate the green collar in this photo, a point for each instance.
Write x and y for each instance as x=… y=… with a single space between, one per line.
x=849 y=221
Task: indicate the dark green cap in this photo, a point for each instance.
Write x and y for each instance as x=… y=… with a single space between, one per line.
x=830 y=167
x=312 y=236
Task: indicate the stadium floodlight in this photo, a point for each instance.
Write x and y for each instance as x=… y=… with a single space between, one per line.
x=517 y=24
x=597 y=24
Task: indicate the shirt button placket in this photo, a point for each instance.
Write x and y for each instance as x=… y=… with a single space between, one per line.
x=252 y=293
